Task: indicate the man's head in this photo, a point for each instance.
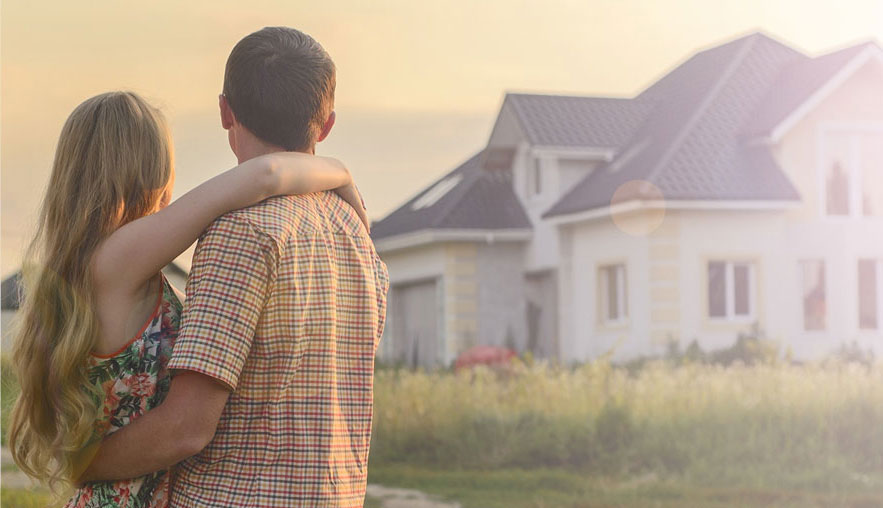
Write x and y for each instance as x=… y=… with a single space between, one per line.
x=279 y=87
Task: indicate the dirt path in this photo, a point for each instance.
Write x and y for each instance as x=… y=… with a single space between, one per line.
x=391 y=497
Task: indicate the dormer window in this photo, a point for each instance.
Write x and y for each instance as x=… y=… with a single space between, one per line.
x=437 y=192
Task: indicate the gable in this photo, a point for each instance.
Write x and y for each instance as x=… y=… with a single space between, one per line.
x=507 y=131
x=803 y=86
x=853 y=110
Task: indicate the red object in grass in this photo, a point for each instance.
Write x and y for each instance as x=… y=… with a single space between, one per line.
x=490 y=356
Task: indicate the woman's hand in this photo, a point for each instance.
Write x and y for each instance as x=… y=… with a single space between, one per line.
x=351 y=195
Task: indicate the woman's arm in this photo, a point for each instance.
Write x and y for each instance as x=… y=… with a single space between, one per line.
x=135 y=252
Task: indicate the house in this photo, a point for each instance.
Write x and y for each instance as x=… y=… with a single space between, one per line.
x=743 y=187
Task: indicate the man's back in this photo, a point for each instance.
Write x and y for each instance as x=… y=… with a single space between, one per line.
x=286 y=304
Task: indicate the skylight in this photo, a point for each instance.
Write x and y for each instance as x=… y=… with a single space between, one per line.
x=437 y=192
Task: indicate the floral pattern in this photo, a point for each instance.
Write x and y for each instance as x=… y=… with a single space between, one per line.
x=132 y=382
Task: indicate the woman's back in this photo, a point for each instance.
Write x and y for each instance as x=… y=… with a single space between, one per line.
x=133 y=380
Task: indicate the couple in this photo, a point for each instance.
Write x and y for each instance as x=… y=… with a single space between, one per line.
x=258 y=392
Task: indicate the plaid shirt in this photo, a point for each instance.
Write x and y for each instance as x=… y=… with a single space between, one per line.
x=285 y=305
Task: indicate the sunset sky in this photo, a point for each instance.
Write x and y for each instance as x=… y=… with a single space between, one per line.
x=419 y=82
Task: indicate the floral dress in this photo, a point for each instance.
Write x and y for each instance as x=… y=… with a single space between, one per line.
x=133 y=381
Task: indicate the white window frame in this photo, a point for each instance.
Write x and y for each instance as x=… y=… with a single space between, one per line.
x=854 y=169
x=730 y=291
x=878 y=287
x=535 y=177
x=622 y=308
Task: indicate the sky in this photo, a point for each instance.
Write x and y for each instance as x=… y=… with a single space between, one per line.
x=419 y=83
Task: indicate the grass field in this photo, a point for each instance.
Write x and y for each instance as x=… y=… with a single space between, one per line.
x=663 y=435
x=692 y=434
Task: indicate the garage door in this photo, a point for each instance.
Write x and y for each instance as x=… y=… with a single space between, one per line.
x=415 y=315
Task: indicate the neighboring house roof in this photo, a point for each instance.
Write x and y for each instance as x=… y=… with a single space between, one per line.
x=469 y=197
x=10 y=291
x=567 y=121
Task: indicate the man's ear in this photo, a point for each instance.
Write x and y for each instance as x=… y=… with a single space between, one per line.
x=327 y=127
x=227 y=116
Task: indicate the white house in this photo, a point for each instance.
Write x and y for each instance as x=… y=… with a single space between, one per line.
x=745 y=186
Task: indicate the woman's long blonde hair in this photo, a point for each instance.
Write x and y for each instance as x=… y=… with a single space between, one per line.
x=112 y=165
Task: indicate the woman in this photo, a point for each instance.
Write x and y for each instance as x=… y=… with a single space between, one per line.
x=98 y=319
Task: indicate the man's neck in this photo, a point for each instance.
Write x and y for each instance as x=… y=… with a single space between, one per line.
x=253 y=147
x=252 y=150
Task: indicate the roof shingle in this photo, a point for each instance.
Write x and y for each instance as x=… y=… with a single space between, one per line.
x=481 y=199
x=568 y=121
x=691 y=146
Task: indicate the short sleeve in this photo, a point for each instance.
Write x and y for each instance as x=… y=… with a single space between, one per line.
x=229 y=284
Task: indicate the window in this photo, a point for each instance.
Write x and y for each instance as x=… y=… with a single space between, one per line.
x=730 y=290
x=536 y=178
x=871 y=185
x=869 y=311
x=814 y=300
x=437 y=192
x=612 y=293
x=853 y=172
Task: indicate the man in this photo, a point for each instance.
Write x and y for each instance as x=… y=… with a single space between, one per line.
x=273 y=367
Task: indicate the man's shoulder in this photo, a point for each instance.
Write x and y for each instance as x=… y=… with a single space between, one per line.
x=305 y=214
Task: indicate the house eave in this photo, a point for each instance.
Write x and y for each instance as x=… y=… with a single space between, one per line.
x=574 y=152
x=430 y=236
x=642 y=205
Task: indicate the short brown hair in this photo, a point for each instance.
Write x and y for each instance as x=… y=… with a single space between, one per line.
x=279 y=82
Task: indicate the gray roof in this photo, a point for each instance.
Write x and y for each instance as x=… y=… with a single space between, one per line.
x=695 y=145
x=10 y=292
x=481 y=199
x=568 y=121
x=689 y=134
x=11 y=288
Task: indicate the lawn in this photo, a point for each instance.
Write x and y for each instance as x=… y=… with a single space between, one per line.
x=22 y=498
x=662 y=435
x=549 y=488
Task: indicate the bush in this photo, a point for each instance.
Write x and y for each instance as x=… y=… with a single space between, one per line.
x=852 y=353
x=750 y=348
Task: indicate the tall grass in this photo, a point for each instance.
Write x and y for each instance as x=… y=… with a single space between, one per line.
x=761 y=424
x=8 y=393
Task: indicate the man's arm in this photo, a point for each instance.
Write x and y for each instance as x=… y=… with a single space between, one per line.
x=226 y=291
x=180 y=427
